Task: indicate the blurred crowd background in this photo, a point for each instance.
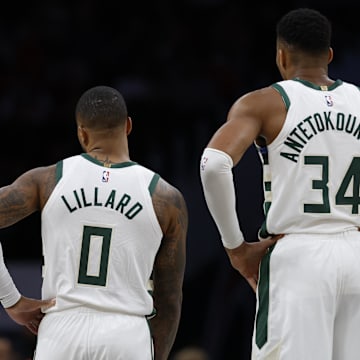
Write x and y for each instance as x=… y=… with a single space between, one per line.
x=180 y=65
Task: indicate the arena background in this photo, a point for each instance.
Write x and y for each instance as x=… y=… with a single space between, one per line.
x=180 y=65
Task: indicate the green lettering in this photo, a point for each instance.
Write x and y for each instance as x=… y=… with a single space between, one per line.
x=319 y=122
x=96 y=203
x=350 y=128
x=357 y=132
x=67 y=204
x=340 y=121
x=84 y=198
x=292 y=157
x=77 y=199
x=291 y=143
x=304 y=131
x=328 y=122
x=123 y=202
x=134 y=210
x=111 y=199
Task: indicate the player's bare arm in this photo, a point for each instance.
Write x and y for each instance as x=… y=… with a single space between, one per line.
x=169 y=267
x=27 y=194
x=258 y=113
x=18 y=200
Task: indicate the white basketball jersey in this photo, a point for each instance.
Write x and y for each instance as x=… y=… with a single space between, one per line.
x=100 y=236
x=312 y=168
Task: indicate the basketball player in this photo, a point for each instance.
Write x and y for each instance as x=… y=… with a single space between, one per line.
x=23 y=310
x=307 y=130
x=108 y=226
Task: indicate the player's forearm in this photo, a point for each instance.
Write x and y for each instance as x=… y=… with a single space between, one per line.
x=9 y=294
x=164 y=327
x=219 y=192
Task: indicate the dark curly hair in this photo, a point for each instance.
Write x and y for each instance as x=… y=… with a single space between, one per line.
x=305 y=29
x=101 y=107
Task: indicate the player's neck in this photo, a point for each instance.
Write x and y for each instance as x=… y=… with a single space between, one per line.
x=108 y=156
x=315 y=76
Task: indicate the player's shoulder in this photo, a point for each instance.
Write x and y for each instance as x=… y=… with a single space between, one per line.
x=49 y=174
x=167 y=190
x=41 y=172
x=259 y=100
x=169 y=205
x=167 y=196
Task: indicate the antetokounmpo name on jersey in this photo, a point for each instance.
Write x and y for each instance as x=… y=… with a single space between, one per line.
x=122 y=203
x=315 y=124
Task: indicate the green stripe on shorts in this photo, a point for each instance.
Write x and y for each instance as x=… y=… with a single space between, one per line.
x=261 y=322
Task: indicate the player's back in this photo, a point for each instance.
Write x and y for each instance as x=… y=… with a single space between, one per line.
x=312 y=168
x=100 y=236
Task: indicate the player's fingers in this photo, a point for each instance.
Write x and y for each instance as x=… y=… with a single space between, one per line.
x=47 y=304
x=39 y=316
x=253 y=283
x=270 y=241
x=33 y=327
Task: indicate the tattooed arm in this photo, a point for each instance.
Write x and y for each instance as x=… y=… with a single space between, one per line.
x=169 y=267
x=27 y=194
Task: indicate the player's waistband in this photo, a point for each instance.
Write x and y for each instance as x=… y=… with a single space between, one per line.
x=90 y=310
x=353 y=231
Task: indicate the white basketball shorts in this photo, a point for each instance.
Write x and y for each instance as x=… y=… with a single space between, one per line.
x=82 y=334
x=308 y=299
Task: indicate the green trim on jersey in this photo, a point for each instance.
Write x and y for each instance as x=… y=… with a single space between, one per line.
x=263 y=232
x=317 y=87
x=101 y=163
x=261 y=322
x=153 y=183
x=58 y=171
x=267 y=185
x=283 y=94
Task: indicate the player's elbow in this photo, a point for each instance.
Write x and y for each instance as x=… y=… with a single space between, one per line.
x=213 y=164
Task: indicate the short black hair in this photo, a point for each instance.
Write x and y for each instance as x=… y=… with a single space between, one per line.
x=101 y=107
x=305 y=29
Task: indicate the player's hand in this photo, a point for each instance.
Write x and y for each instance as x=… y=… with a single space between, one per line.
x=246 y=258
x=28 y=312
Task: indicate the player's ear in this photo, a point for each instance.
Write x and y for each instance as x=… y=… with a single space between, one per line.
x=281 y=60
x=82 y=136
x=330 y=55
x=128 y=125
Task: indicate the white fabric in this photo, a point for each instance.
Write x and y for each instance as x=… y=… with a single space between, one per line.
x=313 y=298
x=9 y=294
x=80 y=334
x=218 y=185
x=98 y=251
x=314 y=160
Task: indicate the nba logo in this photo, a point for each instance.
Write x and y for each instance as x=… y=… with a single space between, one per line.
x=329 y=101
x=105 y=176
x=203 y=163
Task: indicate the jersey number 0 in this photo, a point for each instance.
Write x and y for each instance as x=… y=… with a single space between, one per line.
x=94 y=256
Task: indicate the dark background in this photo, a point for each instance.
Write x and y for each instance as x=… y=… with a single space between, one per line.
x=180 y=65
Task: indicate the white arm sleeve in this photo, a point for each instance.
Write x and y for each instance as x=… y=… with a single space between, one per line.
x=9 y=294
x=218 y=186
